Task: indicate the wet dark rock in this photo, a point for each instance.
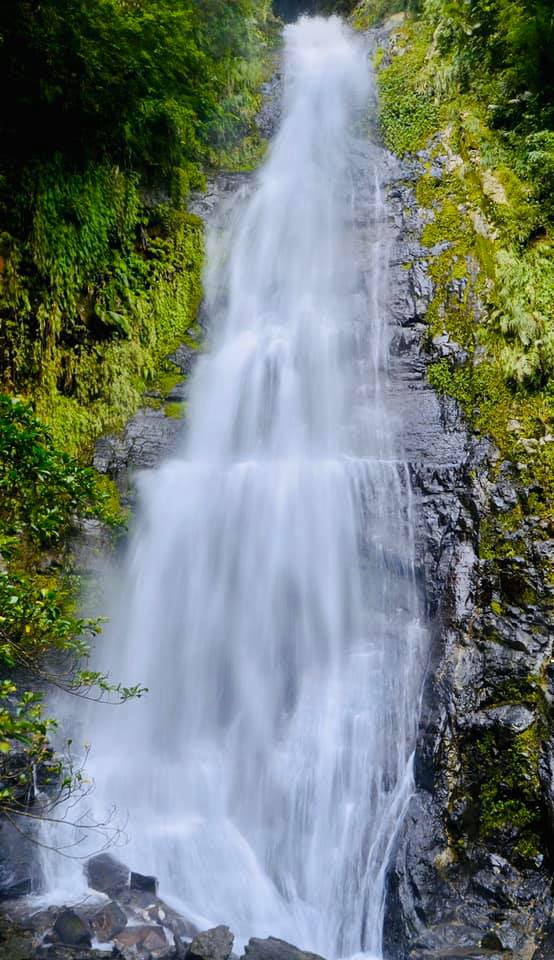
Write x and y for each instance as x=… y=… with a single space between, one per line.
x=146 y=439
x=72 y=930
x=274 y=949
x=185 y=358
x=13 y=891
x=215 y=944
x=106 y=874
x=269 y=116
x=449 y=886
x=107 y=922
x=513 y=719
x=143 y=883
x=545 y=951
x=445 y=348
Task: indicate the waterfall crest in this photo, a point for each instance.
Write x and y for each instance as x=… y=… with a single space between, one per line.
x=268 y=600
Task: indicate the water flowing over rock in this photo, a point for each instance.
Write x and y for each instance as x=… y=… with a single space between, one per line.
x=270 y=599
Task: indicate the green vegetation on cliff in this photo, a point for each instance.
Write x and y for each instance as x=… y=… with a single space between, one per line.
x=113 y=111
x=42 y=639
x=468 y=88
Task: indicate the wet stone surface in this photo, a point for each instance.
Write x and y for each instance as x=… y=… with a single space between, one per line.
x=444 y=902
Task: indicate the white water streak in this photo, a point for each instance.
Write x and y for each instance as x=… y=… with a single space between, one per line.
x=268 y=600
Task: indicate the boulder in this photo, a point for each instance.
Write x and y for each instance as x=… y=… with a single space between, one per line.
x=274 y=949
x=72 y=930
x=13 y=891
x=144 y=884
x=108 y=921
x=106 y=874
x=214 y=944
x=143 y=937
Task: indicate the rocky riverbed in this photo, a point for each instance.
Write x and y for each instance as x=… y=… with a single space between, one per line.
x=125 y=919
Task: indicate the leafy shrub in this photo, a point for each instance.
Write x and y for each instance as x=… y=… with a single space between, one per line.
x=44 y=493
x=409 y=113
x=525 y=288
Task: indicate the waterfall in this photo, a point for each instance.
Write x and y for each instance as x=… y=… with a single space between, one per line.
x=268 y=599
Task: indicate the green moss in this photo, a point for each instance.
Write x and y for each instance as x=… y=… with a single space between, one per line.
x=457 y=383
x=529 y=847
x=497 y=543
x=521 y=690
x=175 y=411
x=502 y=779
x=166 y=381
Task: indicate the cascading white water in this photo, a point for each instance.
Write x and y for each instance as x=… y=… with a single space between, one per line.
x=268 y=601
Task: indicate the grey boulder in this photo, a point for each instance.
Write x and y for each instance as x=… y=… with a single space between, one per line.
x=214 y=944
x=72 y=930
x=106 y=874
x=274 y=949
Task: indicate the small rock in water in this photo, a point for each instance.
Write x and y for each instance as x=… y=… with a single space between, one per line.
x=214 y=944
x=144 y=884
x=108 y=921
x=106 y=874
x=274 y=949
x=72 y=930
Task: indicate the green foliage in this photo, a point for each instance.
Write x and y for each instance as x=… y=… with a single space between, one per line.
x=101 y=288
x=369 y=13
x=44 y=494
x=153 y=85
x=457 y=383
x=408 y=113
x=114 y=108
x=42 y=490
x=504 y=51
x=525 y=314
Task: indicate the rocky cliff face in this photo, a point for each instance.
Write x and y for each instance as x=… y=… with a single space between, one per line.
x=470 y=875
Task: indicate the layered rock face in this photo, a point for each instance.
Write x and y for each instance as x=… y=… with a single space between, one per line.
x=470 y=874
